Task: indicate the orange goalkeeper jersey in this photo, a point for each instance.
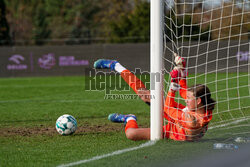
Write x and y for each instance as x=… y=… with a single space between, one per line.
x=184 y=124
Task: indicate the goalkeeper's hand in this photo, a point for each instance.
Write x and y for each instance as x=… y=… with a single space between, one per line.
x=144 y=94
x=179 y=70
x=175 y=77
x=178 y=74
x=174 y=87
x=179 y=61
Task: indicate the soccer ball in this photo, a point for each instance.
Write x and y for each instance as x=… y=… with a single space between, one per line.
x=66 y=124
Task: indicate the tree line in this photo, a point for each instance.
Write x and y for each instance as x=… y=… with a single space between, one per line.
x=41 y=22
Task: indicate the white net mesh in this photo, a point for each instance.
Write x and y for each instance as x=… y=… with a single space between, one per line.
x=213 y=36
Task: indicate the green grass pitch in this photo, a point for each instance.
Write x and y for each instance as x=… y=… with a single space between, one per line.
x=29 y=108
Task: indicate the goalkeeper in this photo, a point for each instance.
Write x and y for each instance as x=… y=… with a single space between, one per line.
x=185 y=123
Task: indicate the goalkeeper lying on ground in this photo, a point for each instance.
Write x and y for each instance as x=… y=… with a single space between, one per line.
x=185 y=123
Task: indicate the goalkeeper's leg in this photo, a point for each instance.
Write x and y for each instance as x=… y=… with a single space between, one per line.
x=135 y=83
x=131 y=128
x=138 y=133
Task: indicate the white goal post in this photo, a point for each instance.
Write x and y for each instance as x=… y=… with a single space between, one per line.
x=156 y=78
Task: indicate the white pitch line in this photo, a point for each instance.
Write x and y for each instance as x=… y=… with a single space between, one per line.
x=51 y=101
x=59 y=101
x=147 y=144
x=230 y=123
x=41 y=86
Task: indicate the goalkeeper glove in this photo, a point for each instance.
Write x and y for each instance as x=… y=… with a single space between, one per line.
x=178 y=74
x=175 y=75
x=179 y=61
x=180 y=67
x=174 y=86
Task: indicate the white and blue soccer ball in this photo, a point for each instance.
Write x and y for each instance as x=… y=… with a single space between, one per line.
x=66 y=124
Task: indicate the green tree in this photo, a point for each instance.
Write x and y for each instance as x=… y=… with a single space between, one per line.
x=111 y=12
x=40 y=30
x=84 y=24
x=4 y=26
x=58 y=19
x=19 y=14
x=140 y=20
x=134 y=26
x=36 y=21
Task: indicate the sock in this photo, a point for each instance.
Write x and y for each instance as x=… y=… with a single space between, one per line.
x=131 y=124
x=119 y=68
x=132 y=80
x=130 y=118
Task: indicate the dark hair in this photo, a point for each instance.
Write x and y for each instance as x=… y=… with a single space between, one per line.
x=202 y=91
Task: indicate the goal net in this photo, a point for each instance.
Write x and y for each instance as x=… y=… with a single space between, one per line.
x=213 y=36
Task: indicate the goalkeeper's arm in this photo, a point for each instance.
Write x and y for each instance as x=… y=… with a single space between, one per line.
x=144 y=94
